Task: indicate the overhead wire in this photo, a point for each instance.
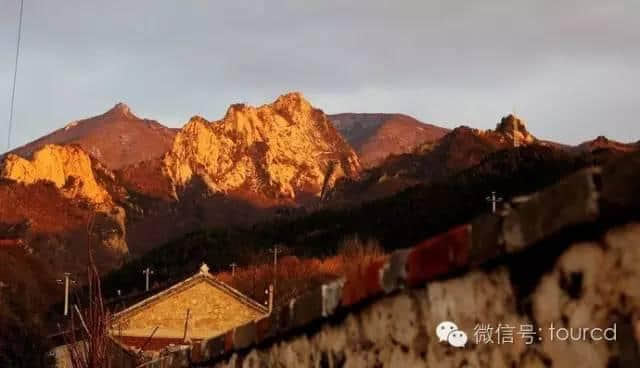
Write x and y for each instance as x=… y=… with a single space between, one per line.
x=15 y=76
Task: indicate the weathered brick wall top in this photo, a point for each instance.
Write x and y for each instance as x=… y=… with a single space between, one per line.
x=594 y=197
x=592 y=284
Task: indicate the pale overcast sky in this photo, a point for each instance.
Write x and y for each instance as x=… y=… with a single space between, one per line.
x=570 y=68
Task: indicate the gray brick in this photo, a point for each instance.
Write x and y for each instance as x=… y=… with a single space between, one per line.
x=331 y=296
x=245 y=336
x=621 y=184
x=209 y=349
x=571 y=201
x=307 y=308
x=487 y=241
x=395 y=271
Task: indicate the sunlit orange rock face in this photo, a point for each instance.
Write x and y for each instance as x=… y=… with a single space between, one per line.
x=69 y=168
x=57 y=191
x=281 y=150
x=513 y=128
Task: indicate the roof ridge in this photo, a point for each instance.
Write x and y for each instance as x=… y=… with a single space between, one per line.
x=181 y=285
x=238 y=294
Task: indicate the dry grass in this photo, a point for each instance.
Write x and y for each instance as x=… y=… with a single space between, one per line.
x=295 y=275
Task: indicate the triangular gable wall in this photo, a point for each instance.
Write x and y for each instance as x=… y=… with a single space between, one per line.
x=213 y=308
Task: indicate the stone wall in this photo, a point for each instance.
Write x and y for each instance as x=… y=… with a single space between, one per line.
x=591 y=284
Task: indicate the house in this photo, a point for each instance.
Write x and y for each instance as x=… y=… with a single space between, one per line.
x=195 y=309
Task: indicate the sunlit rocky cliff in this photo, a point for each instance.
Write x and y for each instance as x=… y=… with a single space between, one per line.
x=281 y=150
x=68 y=167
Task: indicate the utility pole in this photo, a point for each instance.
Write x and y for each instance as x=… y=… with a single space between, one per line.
x=147 y=272
x=66 y=282
x=233 y=269
x=494 y=200
x=186 y=325
x=275 y=250
x=269 y=302
x=515 y=138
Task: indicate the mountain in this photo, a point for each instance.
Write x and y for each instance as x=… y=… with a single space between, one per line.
x=459 y=149
x=603 y=143
x=117 y=138
x=377 y=136
x=513 y=128
x=235 y=171
x=285 y=151
x=242 y=169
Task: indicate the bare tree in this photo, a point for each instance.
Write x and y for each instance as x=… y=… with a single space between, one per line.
x=87 y=339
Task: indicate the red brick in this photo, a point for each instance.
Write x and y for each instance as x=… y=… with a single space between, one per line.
x=153 y=344
x=265 y=328
x=228 y=341
x=363 y=283
x=10 y=242
x=439 y=255
x=196 y=352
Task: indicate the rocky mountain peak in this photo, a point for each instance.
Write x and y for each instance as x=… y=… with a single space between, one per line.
x=511 y=125
x=292 y=104
x=121 y=109
x=279 y=149
x=604 y=143
x=293 y=101
x=116 y=138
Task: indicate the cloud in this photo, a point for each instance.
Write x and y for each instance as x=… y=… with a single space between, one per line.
x=566 y=66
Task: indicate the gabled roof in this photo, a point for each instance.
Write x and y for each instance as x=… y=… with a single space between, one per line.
x=197 y=308
x=202 y=275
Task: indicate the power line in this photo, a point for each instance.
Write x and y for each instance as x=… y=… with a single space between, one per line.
x=15 y=75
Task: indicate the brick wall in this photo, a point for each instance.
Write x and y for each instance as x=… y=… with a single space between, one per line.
x=590 y=284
